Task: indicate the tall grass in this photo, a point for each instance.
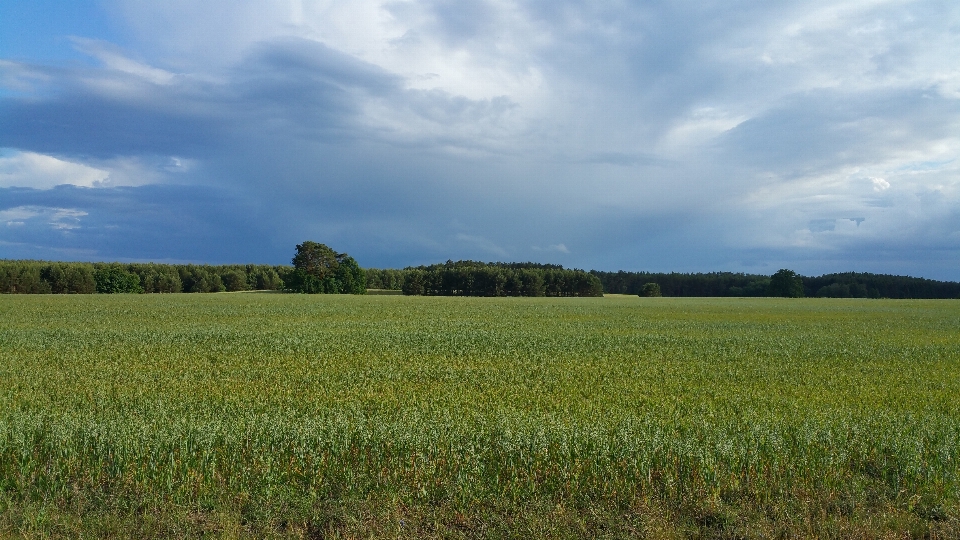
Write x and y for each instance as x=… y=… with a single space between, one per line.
x=298 y=415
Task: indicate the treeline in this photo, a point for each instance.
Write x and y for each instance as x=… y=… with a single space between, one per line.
x=676 y=284
x=460 y=278
x=473 y=278
x=390 y=279
x=865 y=285
x=44 y=277
x=844 y=285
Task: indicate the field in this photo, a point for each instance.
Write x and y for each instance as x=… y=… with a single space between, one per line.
x=277 y=415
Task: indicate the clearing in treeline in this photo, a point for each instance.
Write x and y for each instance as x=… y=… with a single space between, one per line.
x=279 y=415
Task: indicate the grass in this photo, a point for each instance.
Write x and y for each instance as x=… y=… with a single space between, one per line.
x=273 y=415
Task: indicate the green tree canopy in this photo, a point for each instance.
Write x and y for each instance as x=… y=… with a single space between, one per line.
x=650 y=289
x=116 y=280
x=786 y=283
x=316 y=260
x=319 y=269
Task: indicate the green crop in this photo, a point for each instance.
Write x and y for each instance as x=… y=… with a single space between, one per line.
x=278 y=414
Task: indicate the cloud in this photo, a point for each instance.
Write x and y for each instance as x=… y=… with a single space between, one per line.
x=879 y=184
x=557 y=248
x=33 y=170
x=483 y=244
x=152 y=222
x=114 y=58
x=60 y=219
x=659 y=135
x=39 y=171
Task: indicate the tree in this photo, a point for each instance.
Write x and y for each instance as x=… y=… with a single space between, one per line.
x=786 y=283
x=319 y=269
x=352 y=278
x=69 y=278
x=414 y=283
x=115 y=280
x=316 y=260
x=650 y=290
x=234 y=280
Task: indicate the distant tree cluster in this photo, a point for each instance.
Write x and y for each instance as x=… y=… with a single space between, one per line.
x=783 y=283
x=473 y=278
x=86 y=278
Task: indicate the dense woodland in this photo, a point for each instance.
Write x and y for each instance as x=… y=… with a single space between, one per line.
x=85 y=278
x=845 y=285
x=467 y=278
x=473 y=278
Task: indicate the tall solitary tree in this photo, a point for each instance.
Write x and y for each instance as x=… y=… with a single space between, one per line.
x=316 y=260
x=786 y=283
x=319 y=269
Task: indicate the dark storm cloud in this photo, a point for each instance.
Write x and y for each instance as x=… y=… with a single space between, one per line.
x=827 y=128
x=82 y=123
x=304 y=84
x=157 y=222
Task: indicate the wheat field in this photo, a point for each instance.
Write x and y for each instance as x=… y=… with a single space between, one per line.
x=281 y=415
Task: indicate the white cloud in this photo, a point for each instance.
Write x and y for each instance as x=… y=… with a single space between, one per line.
x=143 y=170
x=17 y=216
x=879 y=184
x=62 y=219
x=699 y=127
x=65 y=218
x=408 y=38
x=114 y=59
x=39 y=171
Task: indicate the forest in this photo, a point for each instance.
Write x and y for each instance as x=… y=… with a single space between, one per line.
x=473 y=278
x=840 y=285
x=460 y=278
x=46 y=277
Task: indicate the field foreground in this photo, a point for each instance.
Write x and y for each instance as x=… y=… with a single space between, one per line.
x=276 y=415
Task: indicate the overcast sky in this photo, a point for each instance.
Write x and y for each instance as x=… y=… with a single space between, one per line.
x=821 y=136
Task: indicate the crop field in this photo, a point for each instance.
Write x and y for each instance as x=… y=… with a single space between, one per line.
x=279 y=415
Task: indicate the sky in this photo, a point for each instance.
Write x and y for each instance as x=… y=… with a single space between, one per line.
x=744 y=136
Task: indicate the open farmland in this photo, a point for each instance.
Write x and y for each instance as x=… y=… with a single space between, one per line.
x=290 y=415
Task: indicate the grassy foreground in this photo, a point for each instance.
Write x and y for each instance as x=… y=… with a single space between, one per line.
x=274 y=415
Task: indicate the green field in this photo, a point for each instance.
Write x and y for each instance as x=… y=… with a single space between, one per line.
x=284 y=415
